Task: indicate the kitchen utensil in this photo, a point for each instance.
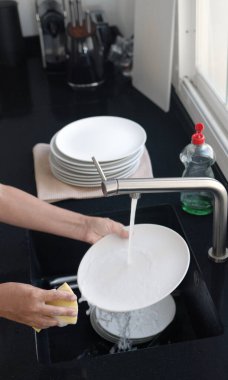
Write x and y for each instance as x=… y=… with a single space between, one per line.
x=85 y=67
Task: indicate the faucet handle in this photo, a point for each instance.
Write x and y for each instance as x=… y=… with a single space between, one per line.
x=99 y=169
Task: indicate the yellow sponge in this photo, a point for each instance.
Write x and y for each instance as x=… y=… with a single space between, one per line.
x=64 y=320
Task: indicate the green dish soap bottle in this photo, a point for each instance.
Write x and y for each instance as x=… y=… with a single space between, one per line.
x=197 y=157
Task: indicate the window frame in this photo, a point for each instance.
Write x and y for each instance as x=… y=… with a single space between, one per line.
x=195 y=93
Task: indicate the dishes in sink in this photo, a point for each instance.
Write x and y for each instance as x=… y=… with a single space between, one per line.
x=137 y=326
x=131 y=300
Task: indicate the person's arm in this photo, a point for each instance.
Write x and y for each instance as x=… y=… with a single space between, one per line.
x=27 y=304
x=21 y=209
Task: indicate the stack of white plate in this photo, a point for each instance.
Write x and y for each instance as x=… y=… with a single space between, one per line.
x=116 y=143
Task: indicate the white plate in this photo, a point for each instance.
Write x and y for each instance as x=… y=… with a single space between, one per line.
x=143 y=324
x=92 y=169
x=74 y=174
x=159 y=261
x=86 y=183
x=105 y=137
x=75 y=183
x=89 y=165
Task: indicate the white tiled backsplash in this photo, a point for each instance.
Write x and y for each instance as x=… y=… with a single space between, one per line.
x=118 y=12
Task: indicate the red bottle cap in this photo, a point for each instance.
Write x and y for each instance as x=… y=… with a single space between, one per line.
x=198 y=138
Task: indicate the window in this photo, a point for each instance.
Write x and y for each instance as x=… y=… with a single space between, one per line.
x=203 y=69
x=212 y=45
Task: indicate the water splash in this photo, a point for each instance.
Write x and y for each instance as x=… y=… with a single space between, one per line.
x=122 y=323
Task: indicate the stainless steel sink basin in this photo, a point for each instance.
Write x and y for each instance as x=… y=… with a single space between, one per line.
x=51 y=257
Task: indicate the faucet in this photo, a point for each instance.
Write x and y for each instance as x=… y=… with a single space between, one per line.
x=218 y=252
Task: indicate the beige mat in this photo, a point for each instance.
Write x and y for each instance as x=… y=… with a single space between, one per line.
x=50 y=189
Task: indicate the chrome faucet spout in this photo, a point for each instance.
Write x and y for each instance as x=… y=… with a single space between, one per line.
x=218 y=252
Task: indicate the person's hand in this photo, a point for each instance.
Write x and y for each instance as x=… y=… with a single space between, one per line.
x=95 y=228
x=26 y=304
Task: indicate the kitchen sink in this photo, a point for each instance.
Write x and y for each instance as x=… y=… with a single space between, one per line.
x=52 y=257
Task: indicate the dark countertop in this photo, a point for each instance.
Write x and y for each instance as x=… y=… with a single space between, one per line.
x=33 y=106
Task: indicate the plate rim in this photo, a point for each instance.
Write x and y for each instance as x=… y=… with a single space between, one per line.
x=187 y=251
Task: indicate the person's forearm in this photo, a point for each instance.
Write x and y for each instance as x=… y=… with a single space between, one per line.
x=33 y=306
x=24 y=210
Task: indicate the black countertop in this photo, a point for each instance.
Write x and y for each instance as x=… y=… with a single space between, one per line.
x=33 y=106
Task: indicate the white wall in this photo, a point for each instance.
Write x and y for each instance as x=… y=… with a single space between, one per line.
x=125 y=16
x=118 y=12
